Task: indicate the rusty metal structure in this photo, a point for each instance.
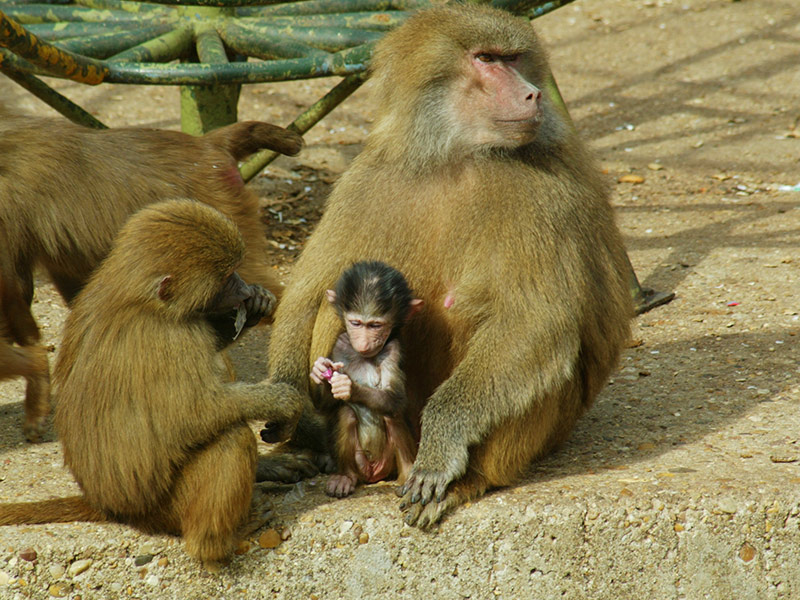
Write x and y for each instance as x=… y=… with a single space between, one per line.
x=210 y=48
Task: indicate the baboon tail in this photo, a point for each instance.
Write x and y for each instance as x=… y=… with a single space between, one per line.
x=242 y=139
x=58 y=510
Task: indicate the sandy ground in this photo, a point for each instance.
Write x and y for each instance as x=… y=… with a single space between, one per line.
x=699 y=101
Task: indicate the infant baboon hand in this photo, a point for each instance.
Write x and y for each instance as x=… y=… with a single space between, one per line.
x=323 y=369
x=341 y=386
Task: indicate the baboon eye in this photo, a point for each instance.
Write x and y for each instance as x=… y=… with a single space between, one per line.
x=485 y=57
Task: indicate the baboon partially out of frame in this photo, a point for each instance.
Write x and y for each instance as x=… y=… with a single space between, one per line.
x=65 y=190
x=477 y=189
x=151 y=431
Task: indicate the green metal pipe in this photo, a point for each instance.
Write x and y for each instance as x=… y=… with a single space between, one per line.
x=207 y=107
x=62 y=31
x=203 y=3
x=10 y=60
x=8 y=3
x=355 y=20
x=141 y=8
x=51 y=97
x=329 y=39
x=45 y=13
x=56 y=62
x=109 y=44
x=164 y=48
x=318 y=7
x=551 y=87
x=530 y=8
x=260 y=44
x=342 y=63
x=210 y=48
x=313 y=115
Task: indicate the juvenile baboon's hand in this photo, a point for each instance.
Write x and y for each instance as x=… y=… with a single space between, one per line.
x=260 y=304
x=282 y=409
x=437 y=465
x=277 y=431
x=341 y=386
x=323 y=369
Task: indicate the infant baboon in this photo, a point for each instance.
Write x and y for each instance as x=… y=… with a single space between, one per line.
x=363 y=385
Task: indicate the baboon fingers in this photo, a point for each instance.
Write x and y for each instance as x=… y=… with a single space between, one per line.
x=425 y=516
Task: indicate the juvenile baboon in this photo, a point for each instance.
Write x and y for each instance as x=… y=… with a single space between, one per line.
x=153 y=435
x=474 y=186
x=362 y=385
x=65 y=190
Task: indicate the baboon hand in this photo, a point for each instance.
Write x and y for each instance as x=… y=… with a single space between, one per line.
x=278 y=430
x=430 y=476
x=284 y=409
x=260 y=304
x=271 y=433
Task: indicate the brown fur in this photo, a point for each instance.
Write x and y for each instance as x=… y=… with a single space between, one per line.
x=65 y=191
x=151 y=430
x=513 y=249
x=25 y=362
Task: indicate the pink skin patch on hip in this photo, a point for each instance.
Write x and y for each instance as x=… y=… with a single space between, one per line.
x=233 y=177
x=449 y=300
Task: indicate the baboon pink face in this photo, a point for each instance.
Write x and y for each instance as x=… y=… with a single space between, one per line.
x=494 y=100
x=367 y=333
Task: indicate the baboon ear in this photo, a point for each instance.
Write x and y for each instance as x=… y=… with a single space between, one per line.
x=165 y=288
x=331 y=296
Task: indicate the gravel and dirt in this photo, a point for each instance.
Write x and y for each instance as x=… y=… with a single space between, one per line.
x=683 y=481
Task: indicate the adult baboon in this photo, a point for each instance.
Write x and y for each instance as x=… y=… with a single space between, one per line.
x=474 y=186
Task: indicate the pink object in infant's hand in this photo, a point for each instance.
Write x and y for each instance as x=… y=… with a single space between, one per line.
x=328 y=374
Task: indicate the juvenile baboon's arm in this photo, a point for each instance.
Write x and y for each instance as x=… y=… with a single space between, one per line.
x=274 y=402
x=528 y=363
x=279 y=404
